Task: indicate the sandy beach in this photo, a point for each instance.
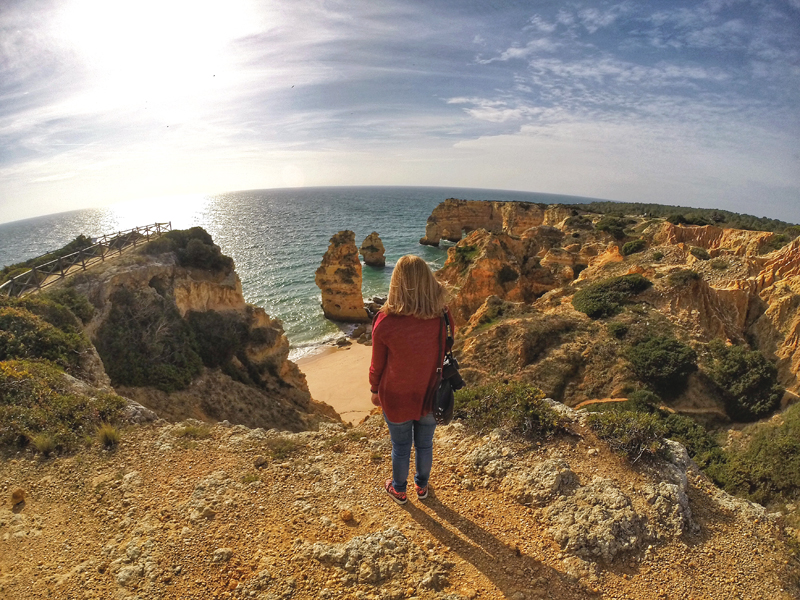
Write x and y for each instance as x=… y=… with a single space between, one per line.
x=339 y=377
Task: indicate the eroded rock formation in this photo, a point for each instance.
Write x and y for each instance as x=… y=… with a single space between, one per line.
x=339 y=279
x=738 y=294
x=373 y=251
x=245 y=375
x=452 y=217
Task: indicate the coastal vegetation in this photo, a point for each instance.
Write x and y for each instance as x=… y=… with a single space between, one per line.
x=79 y=243
x=747 y=380
x=145 y=342
x=193 y=247
x=38 y=407
x=692 y=216
x=516 y=407
x=662 y=361
x=606 y=298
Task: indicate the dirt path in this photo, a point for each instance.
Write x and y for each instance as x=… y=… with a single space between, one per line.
x=168 y=515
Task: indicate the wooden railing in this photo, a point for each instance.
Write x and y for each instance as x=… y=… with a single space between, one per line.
x=106 y=246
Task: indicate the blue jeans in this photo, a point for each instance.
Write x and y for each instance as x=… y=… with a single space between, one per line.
x=402 y=434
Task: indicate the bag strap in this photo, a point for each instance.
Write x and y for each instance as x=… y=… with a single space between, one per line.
x=441 y=353
x=449 y=328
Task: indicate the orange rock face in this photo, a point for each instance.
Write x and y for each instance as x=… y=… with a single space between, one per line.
x=452 y=217
x=373 y=251
x=339 y=279
x=734 y=241
x=517 y=270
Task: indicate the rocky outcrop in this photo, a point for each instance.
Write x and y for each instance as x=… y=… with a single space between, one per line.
x=373 y=251
x=452 y=217
x=339 y=279
x=732 y=241
x=498 y=264
x=247 y=377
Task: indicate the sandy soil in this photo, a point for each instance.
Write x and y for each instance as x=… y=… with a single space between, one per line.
x=340 y=377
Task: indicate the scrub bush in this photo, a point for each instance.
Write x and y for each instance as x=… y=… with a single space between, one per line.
x=629 y=433
x=605 y=298
x=633 y=247
x=699 y=253
x=517 y=407
x=765 y=467
x=662 y=361
x=615 y=226
x=747 y=379
x=145 y=342
x=36 y=407
x=682 y=277
x=193 y=247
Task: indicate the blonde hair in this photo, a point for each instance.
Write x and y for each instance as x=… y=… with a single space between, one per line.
x=414 y=290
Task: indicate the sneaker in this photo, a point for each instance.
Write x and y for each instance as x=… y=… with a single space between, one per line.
x=399 y=497
x=422 y=492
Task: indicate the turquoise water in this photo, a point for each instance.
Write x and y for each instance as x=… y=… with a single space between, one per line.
x=276 y=238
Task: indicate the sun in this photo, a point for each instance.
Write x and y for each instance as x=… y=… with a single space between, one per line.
x=154 y=49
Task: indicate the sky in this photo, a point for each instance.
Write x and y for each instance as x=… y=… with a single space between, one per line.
x=673 y=102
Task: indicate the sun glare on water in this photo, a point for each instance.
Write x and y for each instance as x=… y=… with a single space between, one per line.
x=182 y=211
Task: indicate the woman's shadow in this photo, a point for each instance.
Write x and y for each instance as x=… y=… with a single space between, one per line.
x=505 y=566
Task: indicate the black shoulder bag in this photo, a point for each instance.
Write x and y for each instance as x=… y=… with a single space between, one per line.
x=448 y=379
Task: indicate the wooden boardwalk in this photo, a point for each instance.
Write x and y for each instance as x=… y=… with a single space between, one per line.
x=104 y=248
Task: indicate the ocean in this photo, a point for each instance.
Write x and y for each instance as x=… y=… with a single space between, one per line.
x=276 y=237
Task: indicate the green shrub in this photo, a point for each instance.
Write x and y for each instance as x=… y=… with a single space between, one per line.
x=145 y=342
x=699 y=253
x=219 y=335
x=516 y=407
x=633 y=247
x=776 y=242
x=615 y=226
x=657 y=255
x=464 y=255
x=629 y=433
x=281 y=448
x=699 y=443
x=44 y=443
x=79 y=243
x=747 y=379
x=193 y=247
x=719 y=264
x=683 y=277
x=764 y=468
x=108 y=435
x=605 y=298
x=35 y=405
x=77 y=303
x=24 y=335
x=662 y=361
x=617 y=329
x=578 y=222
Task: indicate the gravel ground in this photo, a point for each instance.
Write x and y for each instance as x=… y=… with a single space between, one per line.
x=264 y=514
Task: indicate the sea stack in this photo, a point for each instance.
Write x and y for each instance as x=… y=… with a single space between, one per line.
x=373 y=251
x=339 y=278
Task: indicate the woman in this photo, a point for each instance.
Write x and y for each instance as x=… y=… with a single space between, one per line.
x=406 y=352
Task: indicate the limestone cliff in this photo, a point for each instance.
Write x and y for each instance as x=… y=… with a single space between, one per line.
x=739 y=295
x=733 y=241
x=373 y=251
x=182 y=341
x=339 y=279
x=452 y=217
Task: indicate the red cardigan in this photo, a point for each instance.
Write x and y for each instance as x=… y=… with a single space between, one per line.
x=405 y=356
